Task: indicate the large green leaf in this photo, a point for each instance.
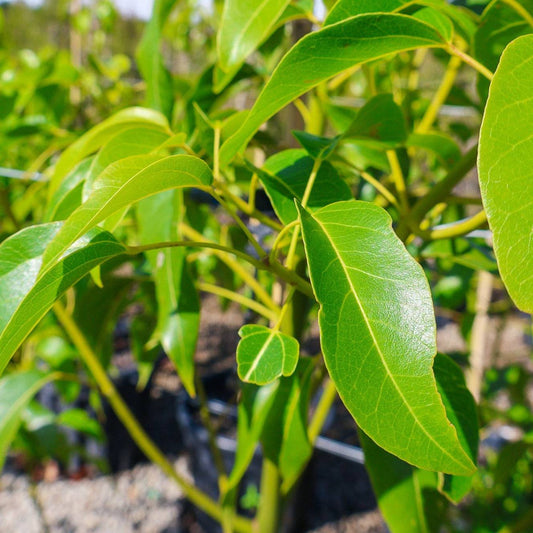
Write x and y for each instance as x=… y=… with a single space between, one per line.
x=264 y=354
x=159 y=90
x=341 y=46
x=16 y=392
x=378 y=333
x=245 y=25
x=96 y=137
x=178 y=307
x=124 y=183
x=285 y=176
x=28 y=294
x=505 y=168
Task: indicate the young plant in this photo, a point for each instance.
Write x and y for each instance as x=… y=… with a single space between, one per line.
x=366 y=199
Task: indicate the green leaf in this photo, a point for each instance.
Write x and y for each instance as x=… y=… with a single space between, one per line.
x=96 y=137
x=254 y=406
x=80 y=420
x=343 y=45
x=380 y=119
x=316 y=146
x=30 y=294
x=444 y=147
x=462 y=413
x=178 y=306
x=124 y=183
x=264 y=354
x=245 y=25
x=378 y=333
x=407 y=496
x=16 y=392
x=285 y=177
x=136 y=140
x=505 y=162
x=438 y=20
x=159 y=90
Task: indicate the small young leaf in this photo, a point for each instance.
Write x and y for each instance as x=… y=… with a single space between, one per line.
x=124 y=183
x=505 y=162
x=32 y=293
x=264 y=354
x=378 y=333
x=342 y=45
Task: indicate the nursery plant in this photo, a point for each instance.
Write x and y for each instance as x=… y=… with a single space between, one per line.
x=157 y=204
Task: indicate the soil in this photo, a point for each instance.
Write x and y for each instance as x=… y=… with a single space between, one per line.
x=140 y=498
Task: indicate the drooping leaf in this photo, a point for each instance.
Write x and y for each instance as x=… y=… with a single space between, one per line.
x=462 y=413
x=264 y=355
x=381 y=120
x=505 y=163
x=16 y=392
x=245 y=25
x=342 y=45
x=124 y=183
x=96 y=137
x=284 y=437
x=159 y=90
x=286 y=177
x=31 y=292
x=378 y=333
x=407 y=496
x=254 y=406
x=178 y=306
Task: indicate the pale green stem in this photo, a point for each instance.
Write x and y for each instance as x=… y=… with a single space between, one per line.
x=440 y=96
x=278 y=240
x=469 y=60
x=329 y=394
x=269 y=506
x=137 y=433
x=239 y=298
x=461 y=228
x=398 y=179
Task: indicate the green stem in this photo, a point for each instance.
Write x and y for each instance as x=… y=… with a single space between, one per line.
x=271 y=266
x=469 y=60
x=399 y=180
x=239 y=298
x=460 y=228
x=268 y=516
x=329 y=394
x=137 y=433
x=438 y=193
x=440 y=96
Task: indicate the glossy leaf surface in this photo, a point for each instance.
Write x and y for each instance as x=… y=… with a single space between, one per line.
x=378 y=333
x=505 y=168
x=343 y=45
x=124 y=183
x=31 y=292
x=264 y=354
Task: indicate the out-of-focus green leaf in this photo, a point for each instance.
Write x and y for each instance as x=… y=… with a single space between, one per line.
x=159 y=90
x=178 y=306
x=378 y=333
x=80 y=420
x=345 y=44
x=444 y=147
x=505 y=163
x=264 y=354
x=16 y=392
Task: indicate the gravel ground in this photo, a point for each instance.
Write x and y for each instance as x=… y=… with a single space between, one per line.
x=139 y=500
